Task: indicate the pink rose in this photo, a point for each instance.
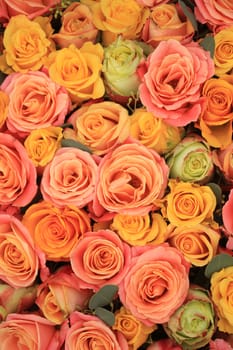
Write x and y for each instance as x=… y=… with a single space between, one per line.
x=172 y=78
x=151 y=3
x=219 y=344
x=156 y=283
x=69 y=179
x=18 y=174
x=89 y=332
x=227 y=218
x=35 y=102
x=100 y=258
x=130 y=179
x=164 y=344
x=32 y=9
x=29 y=332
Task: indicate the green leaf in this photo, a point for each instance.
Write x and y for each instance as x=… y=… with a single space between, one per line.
x=217 y=191
x=105 y=315
x=103 y=297
x=218 y=263
x=188 y=13
x=208 y=44
x=76 y=144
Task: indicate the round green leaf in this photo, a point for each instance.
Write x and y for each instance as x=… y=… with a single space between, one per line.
x=208 y=44
x=217 y=191
x=103 y=297
x=218 y=263
x=105 y=315
x=76 y=144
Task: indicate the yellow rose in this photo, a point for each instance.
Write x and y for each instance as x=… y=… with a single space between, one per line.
x=198 y=243
x=78 y=70
x=4 y=101
x=154 y=132
x=41 y=144
x=139 y=230
x=223 y=54
x=188 y=204
x=221 y=290
x=135 y=331
x=25 y=44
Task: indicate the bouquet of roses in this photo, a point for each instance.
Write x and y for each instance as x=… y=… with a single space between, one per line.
x=116 y=174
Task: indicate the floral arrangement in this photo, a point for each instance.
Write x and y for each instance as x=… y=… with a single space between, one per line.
x=116 y=174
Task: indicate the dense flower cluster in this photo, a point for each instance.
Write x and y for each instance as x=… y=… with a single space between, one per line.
x=116 y=175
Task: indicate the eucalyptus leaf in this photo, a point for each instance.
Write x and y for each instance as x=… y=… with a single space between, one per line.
x=188 y=13
x=218 y=263
x=76 y=144
x=103 y=297
x=105 y=315
x=208 y=44
x=217 y=191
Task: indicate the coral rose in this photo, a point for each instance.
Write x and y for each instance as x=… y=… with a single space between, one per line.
x=227 y=219
x=30 y=332
x=56 y=230
x=35 y=101
x=100 y=126
x=100 y=258
x=172 y=77
x=70 y=178
x=156 y=284
x=18 y=174
x=130 y=179
x=152 y=3
x=219 y=344
x=164 y=344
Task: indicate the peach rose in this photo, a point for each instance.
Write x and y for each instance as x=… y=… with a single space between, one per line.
x=76 y=26
x=4 y=101
x=100 y=258
x=19 y=260
x=135 y=332
x=188 y=204
x=26 y=45
x=18 y=174
x=198 y=243
x=222 y=158
x=156 y=284
x=172 y=77
x=70 y=178
x=60 y=295
x=167 y=21
x=10 y=8
x=78 y=70
x=223 y=57
x=56 y=230
x=88 y=331
x=30 y=332
x=100 y=126
x=130 y=179
x=152 y=3
x=215 y=121
x=35 y=101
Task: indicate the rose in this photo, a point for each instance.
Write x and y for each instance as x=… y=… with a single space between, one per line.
x=153 y=132
x=219 y=344
x=193 y=324
x=156 y=284
x=88 y=331
x=76 y=26
x=216 y=13
x=140 y=229
x=135 y=332
x=223 y=57
x=167 y=21
x=191 y=160
x=56 y=230
x=35 y=101
x=60 y=295
x=19 y=259
x=18 y=174
x=26 y=45
x=41 y=145
x=188 y=204
x=100 y=258
x=164 y=344
x=227 y=219
x=4 y=101
x=222 y=159
x=78 y=70
x=172 y=77
x=152 y=3
x=221 y=293
x=100 y=126
x=30 y=332
x=215 y=121
x=121 y=59
x=198 y=243
x=70 y=178
x=10 y=8
x=130 y=179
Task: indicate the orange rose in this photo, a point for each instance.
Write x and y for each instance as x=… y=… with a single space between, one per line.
x=4 y=101
x=222 y=158
x=223 y=54
x=100 y=126
x=56 y=231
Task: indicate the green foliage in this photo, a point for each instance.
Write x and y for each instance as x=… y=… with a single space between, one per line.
x=219 y=262
x=208 y=44
x=103 y=297
x=75 y=144
x=105 y=315
x=188 y=13
x=217 y=191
